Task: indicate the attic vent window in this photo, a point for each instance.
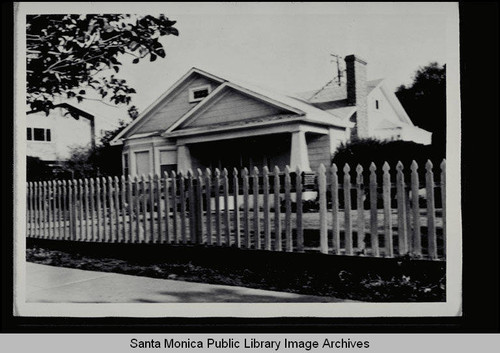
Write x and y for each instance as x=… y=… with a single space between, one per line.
x=196 y=94
x=376 y=104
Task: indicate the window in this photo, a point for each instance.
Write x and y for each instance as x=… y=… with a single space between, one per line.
x=168 y=161
x=196 y=94
x=376 y=104
x=38 y=134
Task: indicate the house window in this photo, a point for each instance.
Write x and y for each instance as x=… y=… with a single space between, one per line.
x=196 y=94
x=376 y=104
x=38 y=134
x=168 y=161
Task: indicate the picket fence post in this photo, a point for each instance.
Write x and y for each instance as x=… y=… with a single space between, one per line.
x=386 y=192
x=360 y=209
x=431 y=212
x=277 y=213
x=256 y=223
x=417 y=241
x=246 y=217
x=323 y=231
x=401 y=202
x=267 y=225
x=288 y=211
x=298 y=199
x=347 y=211
x=373 y=211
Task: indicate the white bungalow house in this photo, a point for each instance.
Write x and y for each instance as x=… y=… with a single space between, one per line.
x=205 y=120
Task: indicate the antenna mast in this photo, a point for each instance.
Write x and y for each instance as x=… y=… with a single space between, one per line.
x=339 y=71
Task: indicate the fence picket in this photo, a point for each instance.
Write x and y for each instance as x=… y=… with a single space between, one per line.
x=288 y=211
x=334 y=194
x=347 y=210
x=298 y=199
x=116 y=204
x=28 y=210
x=267 y=225
x=50 y=190
x=130 y=204
x=182 y=200
x=417 y=242
x=86 y=203
x=105 y=215
x=256 y=223
x=167 y=202
x=81 y=203
x=100 y=235
x=92 y=209
x=400 y=195
x=123 y=208
x=323 y=227
x=277 y=213
x=73 y=209
x=208 y=204
x=217 y=207
x=236 y=212
x=175 y=232
x=137 y=204
x=111 y=206
x=360 y=194
x=43 y=208
x=386 y=190
x=431 y=212
x=227 y=220
x=191 y=203
x=144 y=198
x=150 y=211
x=373 y=211
x=246 y=218
x=160 y=238
x=443 y=202
x=57 y=208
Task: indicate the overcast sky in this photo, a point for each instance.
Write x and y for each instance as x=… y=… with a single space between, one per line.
x=282 y=46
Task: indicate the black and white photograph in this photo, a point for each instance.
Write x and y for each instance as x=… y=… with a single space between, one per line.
x=237 y=160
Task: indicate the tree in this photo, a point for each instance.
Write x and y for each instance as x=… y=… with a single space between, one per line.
x=68 y=55
x=102 y=160
x=425 y=102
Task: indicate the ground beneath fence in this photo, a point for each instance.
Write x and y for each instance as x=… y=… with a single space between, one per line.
x=403 y=285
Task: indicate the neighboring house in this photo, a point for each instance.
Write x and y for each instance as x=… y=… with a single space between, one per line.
x=206 y=121
x=52 y=137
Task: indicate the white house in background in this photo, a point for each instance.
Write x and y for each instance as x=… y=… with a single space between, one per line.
x=205 y=120
x=52 y=138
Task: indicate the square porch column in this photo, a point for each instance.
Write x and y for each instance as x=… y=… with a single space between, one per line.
x=299 y=156
x=183 y=159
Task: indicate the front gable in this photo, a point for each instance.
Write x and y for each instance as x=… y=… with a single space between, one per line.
x=231 y=106
x=176 y=105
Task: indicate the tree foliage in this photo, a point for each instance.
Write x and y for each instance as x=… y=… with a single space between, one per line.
x=68 y=55
x=425 y=101
x=366 y=151
x=102 y=160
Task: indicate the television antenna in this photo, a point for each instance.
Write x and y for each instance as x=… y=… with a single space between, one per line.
x=340 y=73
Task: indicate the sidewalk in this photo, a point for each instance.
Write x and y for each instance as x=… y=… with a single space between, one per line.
x=49 y=284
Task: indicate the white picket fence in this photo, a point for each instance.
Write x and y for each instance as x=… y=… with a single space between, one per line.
x=257 y=210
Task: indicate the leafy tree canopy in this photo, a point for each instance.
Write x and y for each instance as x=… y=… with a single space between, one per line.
x=67 y=54
x=425 y=101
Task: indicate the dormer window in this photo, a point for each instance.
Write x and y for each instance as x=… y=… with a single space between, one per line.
x=196 y=94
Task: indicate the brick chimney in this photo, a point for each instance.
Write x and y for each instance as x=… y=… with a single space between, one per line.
x=357 y=94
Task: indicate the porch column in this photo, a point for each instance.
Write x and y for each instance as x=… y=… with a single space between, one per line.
x=183 y=159
x=298 y=154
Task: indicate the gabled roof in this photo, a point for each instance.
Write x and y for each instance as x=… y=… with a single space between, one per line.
x=151 y=108
x=283 y=101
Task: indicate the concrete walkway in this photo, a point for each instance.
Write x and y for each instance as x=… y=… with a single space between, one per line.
x=49 y=284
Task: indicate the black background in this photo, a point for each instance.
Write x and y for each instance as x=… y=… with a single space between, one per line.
x=479 y=90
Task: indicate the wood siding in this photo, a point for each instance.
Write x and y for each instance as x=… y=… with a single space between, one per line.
x=233 y=106
x=318 y=148
x=174 y=107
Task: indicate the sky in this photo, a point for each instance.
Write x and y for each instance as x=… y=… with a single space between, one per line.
x=281 y=46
